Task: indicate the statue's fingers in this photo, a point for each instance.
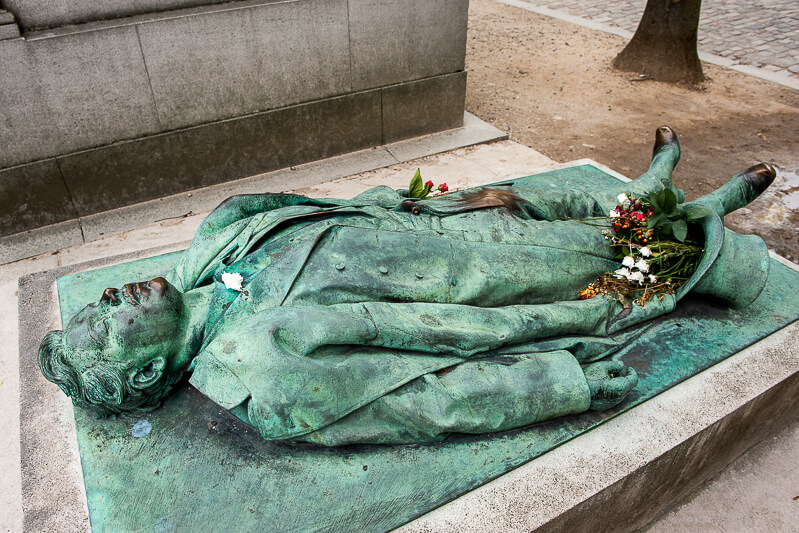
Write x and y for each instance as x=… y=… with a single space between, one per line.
x=618 y=387
x=597 y=371
x=631 y=376
x=615 y=366
x=614 y=388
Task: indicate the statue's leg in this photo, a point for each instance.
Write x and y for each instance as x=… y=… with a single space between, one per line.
x=665 y=156
x=735 y=267
x=740 y=190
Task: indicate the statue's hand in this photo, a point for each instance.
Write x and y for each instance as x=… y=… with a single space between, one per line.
x=609 y=383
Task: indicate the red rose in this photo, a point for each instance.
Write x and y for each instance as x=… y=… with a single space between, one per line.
x=443 y=187
x=429 y=184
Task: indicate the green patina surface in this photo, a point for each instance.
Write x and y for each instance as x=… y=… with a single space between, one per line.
x=201 y=469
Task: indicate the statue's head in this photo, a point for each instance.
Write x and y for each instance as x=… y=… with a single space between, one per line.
x=122 y=353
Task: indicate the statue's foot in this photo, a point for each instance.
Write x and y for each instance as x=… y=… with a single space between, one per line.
x=742 y=189
x=759 y=177
x=665 y=156
x=663 y=136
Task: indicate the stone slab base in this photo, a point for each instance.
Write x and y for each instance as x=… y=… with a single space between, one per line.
x=616 y=477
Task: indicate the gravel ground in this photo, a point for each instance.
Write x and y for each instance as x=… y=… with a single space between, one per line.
x=549 y=84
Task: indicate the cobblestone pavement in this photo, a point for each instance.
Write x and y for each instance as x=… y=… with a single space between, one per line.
x=760 y=33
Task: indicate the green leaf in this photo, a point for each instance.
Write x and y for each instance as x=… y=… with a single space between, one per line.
x=666 y=228
x=656 y=199
x=655 y=220
x=669 y=201
x=416 y=187
x=425 y=191
x=680 y=228
x=694 y=212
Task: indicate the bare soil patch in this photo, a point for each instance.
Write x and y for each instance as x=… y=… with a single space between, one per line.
x=550 y=85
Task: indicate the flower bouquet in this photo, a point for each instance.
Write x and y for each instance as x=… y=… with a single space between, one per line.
x=420 y=190
x=658 y=245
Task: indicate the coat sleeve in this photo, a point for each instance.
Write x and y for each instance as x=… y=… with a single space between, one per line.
x=479 y=396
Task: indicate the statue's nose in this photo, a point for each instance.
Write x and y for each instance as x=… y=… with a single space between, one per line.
x=158 y=284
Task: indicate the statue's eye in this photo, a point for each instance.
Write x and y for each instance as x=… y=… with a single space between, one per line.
x=99 y=328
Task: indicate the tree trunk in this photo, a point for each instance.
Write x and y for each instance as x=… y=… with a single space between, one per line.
x=664 y=45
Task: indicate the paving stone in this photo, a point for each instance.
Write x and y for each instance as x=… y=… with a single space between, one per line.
x=783 y=62
x=740 y=26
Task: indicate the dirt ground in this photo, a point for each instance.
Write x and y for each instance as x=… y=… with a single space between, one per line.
x=550 y=86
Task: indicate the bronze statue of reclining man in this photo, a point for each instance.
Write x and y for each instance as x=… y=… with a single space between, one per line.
x=387 y=320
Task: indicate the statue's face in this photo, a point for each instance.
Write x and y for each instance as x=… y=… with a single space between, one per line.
x=135 y=324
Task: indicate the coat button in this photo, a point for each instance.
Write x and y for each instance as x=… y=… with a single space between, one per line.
x=338 y=260
x=383 y=270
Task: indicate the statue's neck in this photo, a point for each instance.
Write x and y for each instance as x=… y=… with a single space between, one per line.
x=197 y=303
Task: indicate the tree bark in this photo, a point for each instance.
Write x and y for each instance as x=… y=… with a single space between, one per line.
x=664 y=45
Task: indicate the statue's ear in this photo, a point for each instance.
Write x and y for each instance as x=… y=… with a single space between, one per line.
x=142 y=378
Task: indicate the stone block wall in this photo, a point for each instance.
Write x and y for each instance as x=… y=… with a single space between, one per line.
x=42 y=14
x=104 y=113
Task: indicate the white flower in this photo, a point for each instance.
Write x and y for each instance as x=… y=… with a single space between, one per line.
x=642 y=266
x=645 y=251
x=637 y=276
x=622 y=198
x=622 y=273
x=652 y=278
x=232 y=280
x=628 y=261
x=615 y=213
